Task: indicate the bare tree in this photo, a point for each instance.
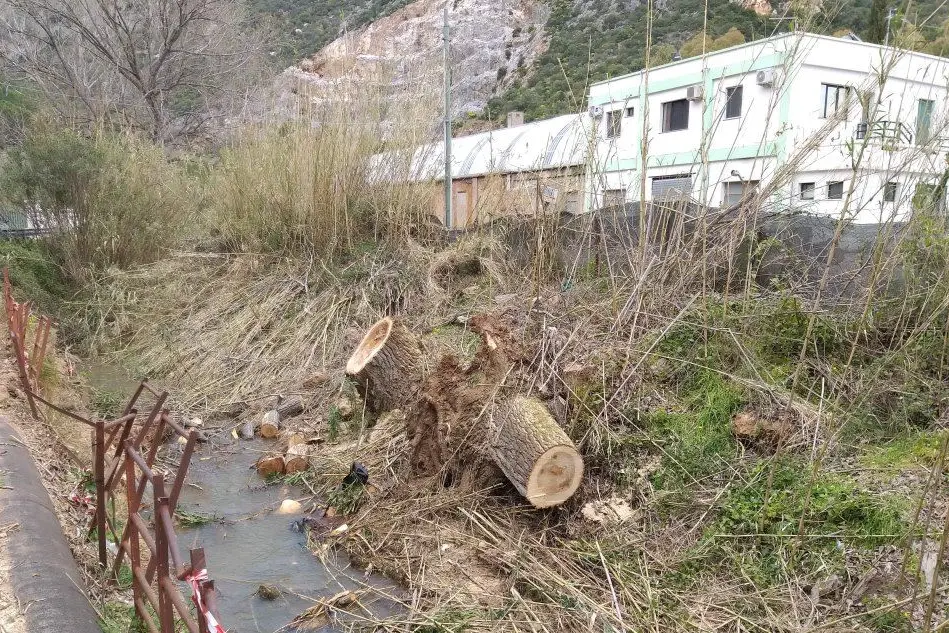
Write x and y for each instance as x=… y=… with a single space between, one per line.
x=169 y=67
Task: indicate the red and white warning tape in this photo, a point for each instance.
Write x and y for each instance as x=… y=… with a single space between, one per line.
x=195 y=579
x=86 y=501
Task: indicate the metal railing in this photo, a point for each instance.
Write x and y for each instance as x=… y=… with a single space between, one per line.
x=887 y=131
x=117 y=454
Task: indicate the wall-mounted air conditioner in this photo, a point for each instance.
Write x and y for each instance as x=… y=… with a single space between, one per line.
x=694 y=93
x=765 y=77
x=596 y=111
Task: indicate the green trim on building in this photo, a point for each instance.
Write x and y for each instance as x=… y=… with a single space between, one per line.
x=716 y=72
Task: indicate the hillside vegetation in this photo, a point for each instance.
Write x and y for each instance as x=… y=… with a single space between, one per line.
x=302 y=27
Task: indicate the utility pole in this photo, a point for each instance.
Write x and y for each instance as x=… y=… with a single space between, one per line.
x=447 y=72
x=889 y=18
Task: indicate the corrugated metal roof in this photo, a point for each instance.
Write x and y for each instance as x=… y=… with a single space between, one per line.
x=548 y=144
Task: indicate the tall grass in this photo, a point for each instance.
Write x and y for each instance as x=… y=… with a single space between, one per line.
x=322 y=183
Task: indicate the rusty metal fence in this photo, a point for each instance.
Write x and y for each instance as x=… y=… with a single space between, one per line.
x=118 y=452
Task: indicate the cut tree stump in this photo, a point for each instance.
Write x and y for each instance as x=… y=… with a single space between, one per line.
x=387 y=366
x=534 y=453
x=298 y=456
x=269 y=465
x=270 y=424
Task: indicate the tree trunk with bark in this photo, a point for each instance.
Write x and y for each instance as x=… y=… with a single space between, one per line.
x=534 y=453
x=387 y=366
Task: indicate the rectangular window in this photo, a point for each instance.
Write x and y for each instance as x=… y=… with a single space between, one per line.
x=735 y=192
x=630 y=111
x=836 y=100
x=889 y=191
x=733 y=102
x=807 y=191
x=673 y=186
x=614 y=197
x=675 y=115
x=924 y=120
x=835 y=190
x=614 y=123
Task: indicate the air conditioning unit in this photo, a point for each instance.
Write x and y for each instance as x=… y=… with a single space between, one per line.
x=596 y=111
x=694 y=93
x=765 y=77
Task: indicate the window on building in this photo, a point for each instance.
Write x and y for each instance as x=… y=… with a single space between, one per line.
x=889 y=191
x=924 y=121
x=675 y=115
x=836 y=100
x=614 y=197
x=614 y=123
x=735 y=192
x=835 y=190
x=807 y=191
x=672 y=186
x=733 y=102
x=630 y=111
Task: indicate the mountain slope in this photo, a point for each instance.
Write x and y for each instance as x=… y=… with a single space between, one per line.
x=302 y=27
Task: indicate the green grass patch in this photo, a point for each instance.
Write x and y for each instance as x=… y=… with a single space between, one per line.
x=118 y=617
x=698 y=441
x=917 y=449
x=757 y=532
x=105 y=403
x=34 y=274
x=188 y=519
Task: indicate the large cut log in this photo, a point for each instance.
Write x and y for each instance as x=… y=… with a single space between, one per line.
x=270 y=424
x=387 y=366
x=534 y=453
x=290 y=407
x=298 y=455
x=269 y=465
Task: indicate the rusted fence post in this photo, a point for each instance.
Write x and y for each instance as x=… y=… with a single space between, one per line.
x=198 y=562
x=166 y=616
x=99 y=468
x=24 y=374
x=135 y=559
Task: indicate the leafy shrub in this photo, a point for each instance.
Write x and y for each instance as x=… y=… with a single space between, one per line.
x=108 y=200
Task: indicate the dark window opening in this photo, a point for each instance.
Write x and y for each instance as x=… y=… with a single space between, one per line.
x=836 y=100
x=734 y=193
x=807 y=191
x=733 y=102
x=614 y=123
x=889 y=191
x=675 y=115
x=630 y=111
x=835 y=190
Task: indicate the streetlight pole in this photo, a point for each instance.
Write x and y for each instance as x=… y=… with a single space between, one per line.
x=889 y=18
x=447 y=72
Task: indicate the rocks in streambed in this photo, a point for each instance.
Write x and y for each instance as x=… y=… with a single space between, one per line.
x=289 y=506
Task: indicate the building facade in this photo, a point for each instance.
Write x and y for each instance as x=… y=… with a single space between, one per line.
x=801 y=122
x=523 y=169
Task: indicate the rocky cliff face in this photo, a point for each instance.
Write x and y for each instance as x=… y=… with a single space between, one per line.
x=490 y=40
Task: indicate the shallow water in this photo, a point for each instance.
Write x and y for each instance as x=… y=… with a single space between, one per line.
x=249 y=544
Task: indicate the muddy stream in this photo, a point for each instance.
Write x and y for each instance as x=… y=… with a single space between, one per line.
x=247 y=543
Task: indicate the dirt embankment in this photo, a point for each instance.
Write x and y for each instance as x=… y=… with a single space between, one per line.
x=42 y=512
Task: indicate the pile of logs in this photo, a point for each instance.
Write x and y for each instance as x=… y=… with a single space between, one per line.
x=293 y=456
x=444 y=407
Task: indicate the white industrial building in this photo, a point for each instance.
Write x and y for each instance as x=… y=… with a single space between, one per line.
x=806 y=123
x=802 y=123
x=524 y=169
